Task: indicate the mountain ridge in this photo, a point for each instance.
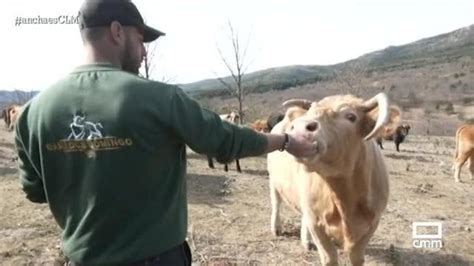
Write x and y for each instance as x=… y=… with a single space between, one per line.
x=426 y=51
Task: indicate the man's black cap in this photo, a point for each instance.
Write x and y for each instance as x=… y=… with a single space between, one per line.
x=99 y=13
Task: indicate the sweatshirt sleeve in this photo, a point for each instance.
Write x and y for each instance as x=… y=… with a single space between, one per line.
x=205 y=132
x=30 y=179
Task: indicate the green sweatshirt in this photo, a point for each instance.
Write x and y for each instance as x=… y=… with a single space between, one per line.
x=106 y=150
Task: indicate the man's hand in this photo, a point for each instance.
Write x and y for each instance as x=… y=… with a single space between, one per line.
x=296 y=146
x=300 y=147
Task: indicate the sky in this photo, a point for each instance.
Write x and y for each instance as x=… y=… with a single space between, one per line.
x=275 y=32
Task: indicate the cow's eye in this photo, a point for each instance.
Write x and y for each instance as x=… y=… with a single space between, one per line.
x=351 y=117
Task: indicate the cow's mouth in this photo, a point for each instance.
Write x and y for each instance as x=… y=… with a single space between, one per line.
x=319 y=150
x=320 y=147
x=317 y=147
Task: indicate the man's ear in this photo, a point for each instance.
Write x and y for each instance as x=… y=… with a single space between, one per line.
x=117 y=32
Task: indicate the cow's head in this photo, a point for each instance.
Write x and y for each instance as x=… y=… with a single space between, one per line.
x=340 y=126
x=259 y=125
x=233 y=117
x=404 y=129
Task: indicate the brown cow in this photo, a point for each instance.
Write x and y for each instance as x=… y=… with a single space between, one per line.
x=464 y=150
x=231 y=117
x=10 y=115
x=342 y=191
x=259 y=125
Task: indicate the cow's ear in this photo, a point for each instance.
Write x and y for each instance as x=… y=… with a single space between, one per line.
x=388 y=128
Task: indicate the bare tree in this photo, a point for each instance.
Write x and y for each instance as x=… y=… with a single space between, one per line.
x=237 y=66
x=351 y=75
x=149 y=63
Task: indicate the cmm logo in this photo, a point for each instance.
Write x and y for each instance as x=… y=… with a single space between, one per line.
x=431 y=241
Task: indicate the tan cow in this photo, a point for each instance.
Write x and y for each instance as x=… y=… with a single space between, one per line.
x=10 y=115
x=464 y=150
x=342 y=191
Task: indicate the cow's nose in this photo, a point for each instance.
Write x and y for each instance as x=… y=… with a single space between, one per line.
x=306 y=126
x=312 y=126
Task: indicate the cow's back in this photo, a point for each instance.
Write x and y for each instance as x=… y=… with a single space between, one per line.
x=465 y=140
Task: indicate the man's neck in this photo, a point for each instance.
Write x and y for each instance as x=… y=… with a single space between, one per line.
x=100 y=56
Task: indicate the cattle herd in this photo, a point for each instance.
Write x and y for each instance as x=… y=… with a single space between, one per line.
x=342 y=191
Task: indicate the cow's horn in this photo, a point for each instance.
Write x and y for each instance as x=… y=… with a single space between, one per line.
x=380 y=100
x=305 y=104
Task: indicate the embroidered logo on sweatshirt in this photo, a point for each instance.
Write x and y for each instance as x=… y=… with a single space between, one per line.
x=82 y=129
x=88 y=137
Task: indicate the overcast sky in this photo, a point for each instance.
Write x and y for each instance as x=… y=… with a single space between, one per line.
x=278 y=33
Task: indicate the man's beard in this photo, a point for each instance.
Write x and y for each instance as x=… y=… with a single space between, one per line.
x=128 y=63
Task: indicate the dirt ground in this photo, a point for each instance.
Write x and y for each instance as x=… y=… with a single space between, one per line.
x=229 y=213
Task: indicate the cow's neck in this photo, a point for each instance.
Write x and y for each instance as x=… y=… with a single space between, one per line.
x=349 y=194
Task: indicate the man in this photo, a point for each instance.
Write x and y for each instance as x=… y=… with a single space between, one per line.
x=106 y=148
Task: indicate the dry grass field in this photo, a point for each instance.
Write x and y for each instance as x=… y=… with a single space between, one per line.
x=229 y=213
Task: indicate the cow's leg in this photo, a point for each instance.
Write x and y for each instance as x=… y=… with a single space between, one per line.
x=460 y=160
x=238 y=165
x=471 y=166
x=275 y=198
x=397 y=145
x=327 y=250
x=210 y=162
x=226 y=167
x=379 y=141
x=357 y=251
x=304 y=234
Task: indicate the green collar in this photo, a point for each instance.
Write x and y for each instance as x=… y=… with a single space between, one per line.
x=96 y=67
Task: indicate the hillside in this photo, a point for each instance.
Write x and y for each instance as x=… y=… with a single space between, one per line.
x=439 y=49
x=444 y=48
x=15 y=96
x=270 y=79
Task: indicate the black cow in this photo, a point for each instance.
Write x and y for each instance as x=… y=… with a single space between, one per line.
x=273 y=119
x=398 y=136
